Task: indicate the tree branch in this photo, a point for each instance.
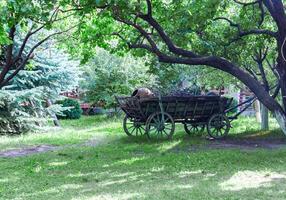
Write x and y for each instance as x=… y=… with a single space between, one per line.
x=273 y=68
x=276 y=91
x=9 y=54
x=251 y=72
x=171 y=46
x=153 y=45
x=53 y=18
x=242 y=33
x=21 y=66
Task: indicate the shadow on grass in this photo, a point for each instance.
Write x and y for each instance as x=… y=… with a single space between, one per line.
x=247 y=141
x=137 y=168
x=116 y=172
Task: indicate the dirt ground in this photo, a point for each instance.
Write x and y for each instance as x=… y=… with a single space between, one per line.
x=27 y=151
x=228 y=143
x=249 y=143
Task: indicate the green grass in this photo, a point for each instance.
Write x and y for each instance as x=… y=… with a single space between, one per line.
x=135 y=168
x=70 y=132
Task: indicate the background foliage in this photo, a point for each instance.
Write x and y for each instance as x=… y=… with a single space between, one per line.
x=107 y=76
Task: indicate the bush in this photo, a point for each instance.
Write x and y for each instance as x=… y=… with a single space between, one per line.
x=21 y=111
x=74 y=111
x=234 y=103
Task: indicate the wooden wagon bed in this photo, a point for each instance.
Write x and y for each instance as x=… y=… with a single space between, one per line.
x=159 y=115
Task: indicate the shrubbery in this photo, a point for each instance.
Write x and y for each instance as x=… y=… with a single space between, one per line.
x=233 y=104
x=74 y=111
x=24 y=100
x=20 y=111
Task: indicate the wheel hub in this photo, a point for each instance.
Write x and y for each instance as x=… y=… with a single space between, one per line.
x=137 y=124
x=160 y=127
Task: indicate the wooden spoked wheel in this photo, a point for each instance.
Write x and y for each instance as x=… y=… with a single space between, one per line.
x=218 y=126
x=133 y=128
x=193 y=128
x=160 y=125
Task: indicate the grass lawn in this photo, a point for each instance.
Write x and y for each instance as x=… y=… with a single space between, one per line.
x=113 y=166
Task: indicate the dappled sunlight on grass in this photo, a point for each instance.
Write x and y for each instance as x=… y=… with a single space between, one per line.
x=128 y=161
x=157 y=169
x=259 y=134
x=3 y=180
x=117 y=196
x=184 y=186
x=67 y=134
x=251 y=179
x=184 y=174
x=249 y=124
x=136 y=168
x=70 y=186
x=79 y=174
x=111 y=182
x=58 y=163
x=125 y=176
x=168 y=145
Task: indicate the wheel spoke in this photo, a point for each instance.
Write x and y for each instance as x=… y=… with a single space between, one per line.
x=220 y=132
x=158 y=118
x=133 y=130
x=130 y=127
x=165 y=133
x=214 y=130
x=160 y=125
x=217 y=132
x=156 y=121
x=140 y=130
x=168 y=126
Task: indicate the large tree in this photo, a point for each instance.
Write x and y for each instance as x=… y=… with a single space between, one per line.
x=23 y=21
x=194 y=33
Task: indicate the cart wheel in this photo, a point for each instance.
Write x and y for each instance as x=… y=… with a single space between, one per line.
x=160 y=125
x=218 y=126
x=193 y=128
x=132 y=128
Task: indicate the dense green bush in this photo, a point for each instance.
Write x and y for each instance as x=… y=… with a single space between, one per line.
x=233 y=104
x=74 y=111
x=20 y=111
x=107 y=76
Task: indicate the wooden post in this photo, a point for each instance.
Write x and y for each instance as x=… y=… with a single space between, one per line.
x=264 y=118
x=257 y=111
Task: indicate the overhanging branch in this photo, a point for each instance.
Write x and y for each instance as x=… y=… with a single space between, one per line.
x=21 y=66
x=242 y=33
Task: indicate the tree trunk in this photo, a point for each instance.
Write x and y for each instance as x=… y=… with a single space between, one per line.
x=53 y=115
x=283 y=88
x=251 y=83
x=264 y=117
x=257 y=111
x=183 y=56
x=281 y=119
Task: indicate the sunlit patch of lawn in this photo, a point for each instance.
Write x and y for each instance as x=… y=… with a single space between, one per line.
x=116 y=172
x=135 y=168
x=70 y=132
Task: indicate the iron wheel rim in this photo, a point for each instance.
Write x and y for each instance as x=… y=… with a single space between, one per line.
x=218 y=126
x=192 y=129
x=158 y=128
x=133 y=128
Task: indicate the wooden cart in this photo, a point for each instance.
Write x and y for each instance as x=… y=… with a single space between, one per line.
x=156 y=116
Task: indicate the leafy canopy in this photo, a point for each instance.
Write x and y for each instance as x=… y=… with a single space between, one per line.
x=193 y=25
